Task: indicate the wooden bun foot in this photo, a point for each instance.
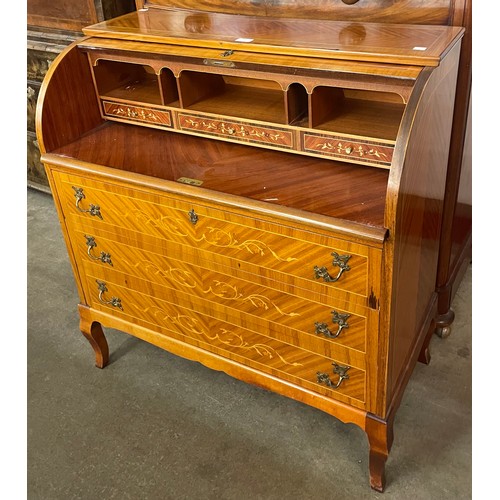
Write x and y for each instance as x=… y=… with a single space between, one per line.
x=443 y=324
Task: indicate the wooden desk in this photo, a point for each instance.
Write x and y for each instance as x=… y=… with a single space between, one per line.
x=241 y=193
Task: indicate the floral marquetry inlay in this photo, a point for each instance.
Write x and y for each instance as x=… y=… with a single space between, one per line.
x=154 y=116
x=344 y=148
x=236 y=130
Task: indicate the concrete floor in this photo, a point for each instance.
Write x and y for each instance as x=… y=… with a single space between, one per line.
x=155 y=426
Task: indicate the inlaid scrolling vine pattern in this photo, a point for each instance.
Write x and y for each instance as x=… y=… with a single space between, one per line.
x=217 y=288
x=192 y=327
x=213 y=236
x=179 y=276
x=229 y=292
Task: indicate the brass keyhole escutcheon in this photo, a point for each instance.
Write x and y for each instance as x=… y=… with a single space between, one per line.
x=193 y=216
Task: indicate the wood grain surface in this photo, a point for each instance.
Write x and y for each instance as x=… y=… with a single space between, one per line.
x=252 y=296
x=307 y=288
x=405 y=44
x=415 y=204
x=275 y=247
x=102 y=48
x=57 y=124
x=217 y=164
x=233 y=342
x=211 y=99
x=380 y=11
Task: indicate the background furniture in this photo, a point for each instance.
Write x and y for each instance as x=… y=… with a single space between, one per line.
x=52 y=26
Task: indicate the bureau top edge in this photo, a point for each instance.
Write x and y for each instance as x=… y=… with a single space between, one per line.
x=240 y=58
x=415 y=45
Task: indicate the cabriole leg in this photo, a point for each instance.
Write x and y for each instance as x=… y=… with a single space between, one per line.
x=380 y=437
x=93 y=332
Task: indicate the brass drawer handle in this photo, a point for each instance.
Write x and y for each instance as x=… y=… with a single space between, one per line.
x=193 y=216
x=338 y=319
x=341 y=371
x=114 y=301
x=94 y=210
x=338 y=260
x=105 y=257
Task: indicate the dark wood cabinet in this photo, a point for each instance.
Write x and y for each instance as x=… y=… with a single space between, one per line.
x=52 y=26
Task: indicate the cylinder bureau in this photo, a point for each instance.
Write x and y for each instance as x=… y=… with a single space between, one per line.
x=260 y=195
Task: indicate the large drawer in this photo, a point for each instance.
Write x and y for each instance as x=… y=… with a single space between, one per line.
x=278 y=358
x=342 y=324
x=284 y=253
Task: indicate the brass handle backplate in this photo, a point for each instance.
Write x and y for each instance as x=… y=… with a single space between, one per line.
x=105 y=257
x=94 y=210
x=341 y=371
x=338 y=319
x=114 y=301
x=339 y=261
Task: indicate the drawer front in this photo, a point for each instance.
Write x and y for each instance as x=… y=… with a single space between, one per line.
x=193 y=257
x=304 y=322
x=160 y=118
x=369 y=152
x=236 y=130
x=285 y=253
x=288 y=362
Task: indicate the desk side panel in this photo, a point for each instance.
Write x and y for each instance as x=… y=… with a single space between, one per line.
x=67 y=106
x=414 y=214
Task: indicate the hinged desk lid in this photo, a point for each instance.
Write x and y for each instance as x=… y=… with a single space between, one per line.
x=386 y=43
